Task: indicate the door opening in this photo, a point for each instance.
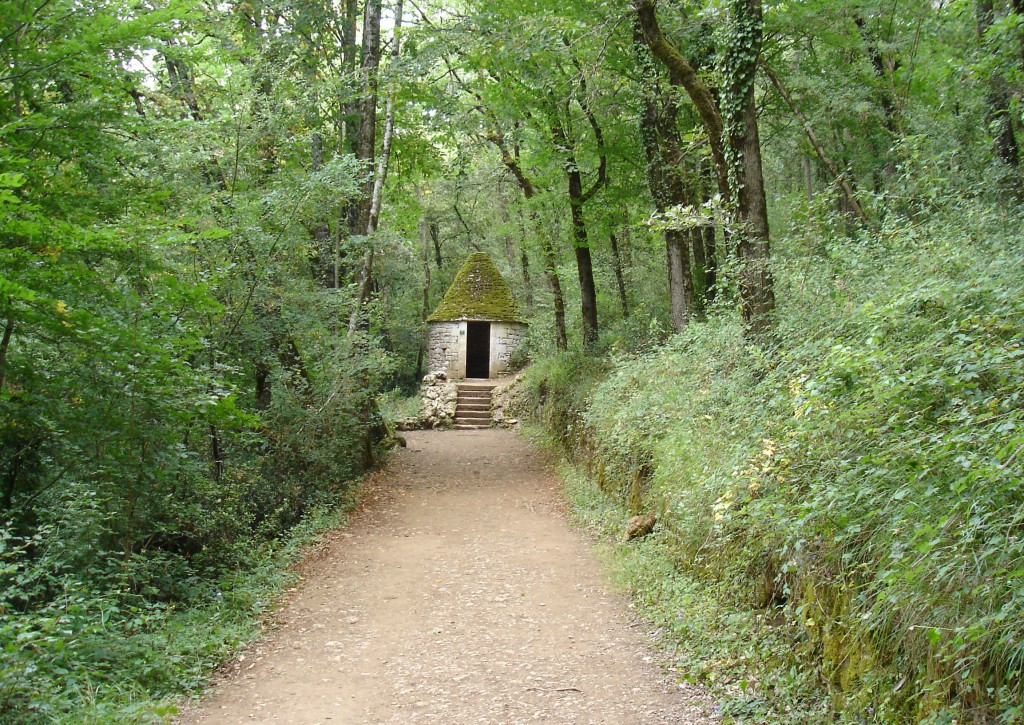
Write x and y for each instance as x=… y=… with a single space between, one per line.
x=478 y=349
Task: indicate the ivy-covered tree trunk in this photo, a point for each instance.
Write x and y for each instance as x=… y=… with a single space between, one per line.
x=733 y=118
x=884 y=67
x=757 y=295
x=684 y=75
x=659 y=133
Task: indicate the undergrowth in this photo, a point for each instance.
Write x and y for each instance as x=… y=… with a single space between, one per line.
x=712 y=642
x=106 y=655
x=840 y=506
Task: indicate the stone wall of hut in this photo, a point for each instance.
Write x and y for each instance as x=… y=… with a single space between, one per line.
x=505 y=338
x=446 y=347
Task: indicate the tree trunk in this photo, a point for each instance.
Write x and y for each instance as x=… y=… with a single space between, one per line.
x=217 y=458
x=5 y=345
x=660 y=139
x=324 y=250
x=757 y=295
x=662 y=144
x=884 y=69
x=679 y=276
x=588 y=296
x=435 y=235
x=548 y=255
x=183 y=86
x=366 y=145
x=367 y=137
x=424 y=229
x=620 y=281
x=348 y=126
x=389 y=131
x=705 y=254
x=584 y=264
x=700 y=270
x=740 y=131
x=711 y=262
x=348 y=130
x=263 y=390
x=998 y=98
x=558 y=300
x=577 y=199
x=683 y=74
x=805 y=163
x=527 y=284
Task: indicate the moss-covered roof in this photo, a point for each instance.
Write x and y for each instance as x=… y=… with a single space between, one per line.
x=479 y=292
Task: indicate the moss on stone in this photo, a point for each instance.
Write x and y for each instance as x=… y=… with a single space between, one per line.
x=479 y=292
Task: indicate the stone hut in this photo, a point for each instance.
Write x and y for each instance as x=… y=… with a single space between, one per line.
x=476 y=327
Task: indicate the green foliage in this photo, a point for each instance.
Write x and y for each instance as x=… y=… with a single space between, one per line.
x=178 y=396
x=851 y=492
x=100 y=652
x=177 y=399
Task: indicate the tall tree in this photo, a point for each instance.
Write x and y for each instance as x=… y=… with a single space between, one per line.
x=578 y=197
x=662 y=142
x=734 y=140
x=380 y=176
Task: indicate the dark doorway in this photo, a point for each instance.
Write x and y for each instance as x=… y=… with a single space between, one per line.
x=478 y=349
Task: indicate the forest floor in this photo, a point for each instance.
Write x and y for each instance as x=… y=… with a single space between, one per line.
x=458 y=593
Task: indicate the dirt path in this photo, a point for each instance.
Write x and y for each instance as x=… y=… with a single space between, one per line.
x=459 y=594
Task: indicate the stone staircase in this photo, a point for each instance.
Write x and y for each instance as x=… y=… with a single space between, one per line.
x=474 y=407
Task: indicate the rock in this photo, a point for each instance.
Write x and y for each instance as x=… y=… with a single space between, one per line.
x=504 y=401
x=438 y=400
x=640 y=526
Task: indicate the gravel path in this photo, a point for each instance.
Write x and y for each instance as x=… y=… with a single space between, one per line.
x=458 y=594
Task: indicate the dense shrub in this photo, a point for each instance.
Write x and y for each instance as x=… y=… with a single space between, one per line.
x=854 y=484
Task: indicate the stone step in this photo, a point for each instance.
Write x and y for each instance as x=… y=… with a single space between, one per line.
x=483 y=405
x=474 y=414
x=473 y=411
x=474 y=398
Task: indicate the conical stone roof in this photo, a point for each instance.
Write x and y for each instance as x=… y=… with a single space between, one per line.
x=479 y=292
